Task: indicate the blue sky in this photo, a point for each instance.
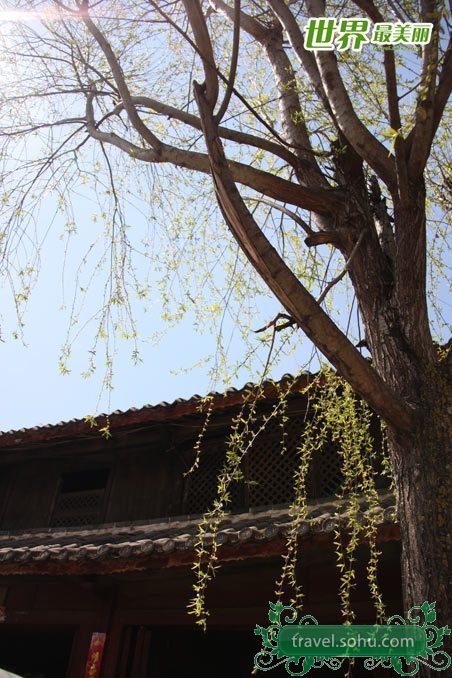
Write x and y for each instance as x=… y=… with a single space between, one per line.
x=34 y=391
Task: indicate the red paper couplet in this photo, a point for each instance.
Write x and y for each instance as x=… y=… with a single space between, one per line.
x=94 y=660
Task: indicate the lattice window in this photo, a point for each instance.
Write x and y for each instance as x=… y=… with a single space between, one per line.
x=201 y=484
x=269 y=474
x=78 y=508
x=81 y=498
x=270 y=471
x=325 y=475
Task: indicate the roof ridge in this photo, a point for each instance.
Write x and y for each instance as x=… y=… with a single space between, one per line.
x=162 y=411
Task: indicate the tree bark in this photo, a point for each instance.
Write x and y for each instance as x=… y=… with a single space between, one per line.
x=422 y=468
x=392 y=300
x=388 y=275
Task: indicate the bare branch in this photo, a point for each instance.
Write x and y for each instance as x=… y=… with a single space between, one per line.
x=322 y=201
x=123 y=90
x=298 y=220
x=323 y=238
x=21 y=130
x=225 y=132
x=339 y=277
x=289 y=322
x=393 y=103
x=204 y=45
x=298 y=302
x=294 y=128
x=424 y=130
x=233 y=68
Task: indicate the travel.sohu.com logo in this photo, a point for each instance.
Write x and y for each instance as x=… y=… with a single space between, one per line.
x=402 y=644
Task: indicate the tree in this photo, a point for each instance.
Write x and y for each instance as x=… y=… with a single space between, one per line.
x=324 y=159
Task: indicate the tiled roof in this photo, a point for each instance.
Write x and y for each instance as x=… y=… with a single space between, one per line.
x=147 y=414
x=122 y=540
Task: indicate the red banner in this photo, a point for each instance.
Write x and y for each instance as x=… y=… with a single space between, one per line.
x=94 y=661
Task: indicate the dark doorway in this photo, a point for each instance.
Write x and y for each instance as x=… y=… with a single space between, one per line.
x=174 y=652
x=35 y=652
x=194 y=654
x=171 y=653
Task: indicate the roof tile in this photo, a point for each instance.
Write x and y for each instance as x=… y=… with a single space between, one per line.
x=123 y=541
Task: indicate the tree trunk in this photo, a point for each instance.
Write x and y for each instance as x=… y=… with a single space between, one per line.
x=422 y=468
x=389 y=279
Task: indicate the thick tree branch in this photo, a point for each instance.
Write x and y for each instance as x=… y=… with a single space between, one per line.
x=225 y=132
x=324 y=75
x=293 y=125
x=248 y=23
x=204 y=45
x=321 y=201
x=443 y=90
x=441 y=98
x=423 y=131
x=294 y=128
x=233 y=68
x=299 y=303
x=120 y=81
x=356 y=133
x=306 y=58
x=375 y=15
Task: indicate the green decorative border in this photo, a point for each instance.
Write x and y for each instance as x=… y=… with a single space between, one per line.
x=423 y=616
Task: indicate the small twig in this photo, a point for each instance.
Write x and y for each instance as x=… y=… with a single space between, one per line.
x=290 y=322
x=362 y=344
x=344 y=270
x=307 y=229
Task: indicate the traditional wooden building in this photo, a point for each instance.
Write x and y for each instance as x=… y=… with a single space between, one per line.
x=97 y=539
